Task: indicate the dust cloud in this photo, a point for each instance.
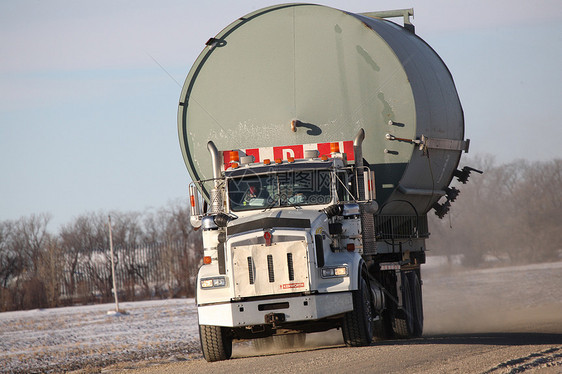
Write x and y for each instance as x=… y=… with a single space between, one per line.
x=508 y=299
x=526 y=299
x=317 y=340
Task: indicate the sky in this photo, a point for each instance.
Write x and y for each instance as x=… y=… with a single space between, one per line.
x=89 y=91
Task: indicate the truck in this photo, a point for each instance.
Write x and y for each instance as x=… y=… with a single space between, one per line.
x=317 y=141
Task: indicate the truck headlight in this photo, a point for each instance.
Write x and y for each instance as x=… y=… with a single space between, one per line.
x=331 y=272
x=213 y=282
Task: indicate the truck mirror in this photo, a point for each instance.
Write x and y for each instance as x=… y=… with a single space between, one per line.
x=195 y=207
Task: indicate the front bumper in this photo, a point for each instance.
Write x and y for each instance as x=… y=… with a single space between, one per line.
x=300 y=308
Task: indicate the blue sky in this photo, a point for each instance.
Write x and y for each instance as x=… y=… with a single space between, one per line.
x=88 y=118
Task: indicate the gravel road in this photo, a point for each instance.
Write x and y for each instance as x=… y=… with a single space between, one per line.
x=506 y=320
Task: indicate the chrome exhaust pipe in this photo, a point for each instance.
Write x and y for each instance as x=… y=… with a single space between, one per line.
x=357 y=148
x=215 y=205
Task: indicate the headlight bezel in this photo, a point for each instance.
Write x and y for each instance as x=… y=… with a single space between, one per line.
x=212 y=282
x=335 y=272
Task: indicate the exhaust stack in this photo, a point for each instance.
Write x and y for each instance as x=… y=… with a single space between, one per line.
x=357 y=148
x=215 y=205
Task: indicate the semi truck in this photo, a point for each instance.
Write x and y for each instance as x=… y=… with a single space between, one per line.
x=317 y=141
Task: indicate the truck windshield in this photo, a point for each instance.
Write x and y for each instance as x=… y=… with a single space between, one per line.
x=291 y=188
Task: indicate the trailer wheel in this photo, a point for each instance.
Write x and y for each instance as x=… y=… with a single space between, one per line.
x=357 y=327
x=403 y=325
x=417 y=304
x=216 y=343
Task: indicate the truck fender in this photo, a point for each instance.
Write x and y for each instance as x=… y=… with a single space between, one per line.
x=355 y=265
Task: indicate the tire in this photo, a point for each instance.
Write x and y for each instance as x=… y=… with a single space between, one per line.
x=383 y=327
x=417 y=304
x=263 y=344
x=216 y=343
x=357 y=326
x=403 y=325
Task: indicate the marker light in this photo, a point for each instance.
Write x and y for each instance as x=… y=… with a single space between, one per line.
x=350 y=247
x=207 y=260
x=290 y=159
x=334 y=147
x=233 y=155
x=234 y=165
x=324 y=158
x=278 y=161
x=192 y=200
x=267 y=161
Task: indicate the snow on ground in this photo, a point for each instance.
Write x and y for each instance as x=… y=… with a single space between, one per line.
x=455 y=301
x=75 y=337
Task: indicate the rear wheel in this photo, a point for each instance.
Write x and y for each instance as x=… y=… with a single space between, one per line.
x=417 y=303
x=383 y=327
x=216 y=343
x=357 y=327
x=403 y=325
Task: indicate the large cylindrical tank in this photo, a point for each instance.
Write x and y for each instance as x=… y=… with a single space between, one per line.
x=335 y=72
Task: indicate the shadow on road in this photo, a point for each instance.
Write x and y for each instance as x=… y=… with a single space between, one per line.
x=497 y=338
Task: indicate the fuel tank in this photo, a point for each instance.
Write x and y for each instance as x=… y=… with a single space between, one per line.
x=333 y=72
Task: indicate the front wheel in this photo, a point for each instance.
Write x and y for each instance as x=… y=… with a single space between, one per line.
x=216 y=343
x=357 y=327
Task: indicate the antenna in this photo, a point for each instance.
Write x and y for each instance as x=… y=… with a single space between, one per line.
x=165 y=71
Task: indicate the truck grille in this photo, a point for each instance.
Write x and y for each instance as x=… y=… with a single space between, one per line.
x=270 y=268
x=290 y=266
x=251 y=270
x=261 y=270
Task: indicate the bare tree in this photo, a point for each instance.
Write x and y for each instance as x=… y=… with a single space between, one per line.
x=51 y=271
x=183 y=253
x=11 y=266
x=23 y=246
x=29 y=238
x=80 y=241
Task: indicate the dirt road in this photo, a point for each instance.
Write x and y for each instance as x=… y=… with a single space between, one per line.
x=484 y=321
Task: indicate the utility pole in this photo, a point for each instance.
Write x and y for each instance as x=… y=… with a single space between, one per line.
x=113 y=267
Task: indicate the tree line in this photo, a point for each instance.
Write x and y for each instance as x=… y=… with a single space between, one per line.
x=157 y=255
x=511 y=214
